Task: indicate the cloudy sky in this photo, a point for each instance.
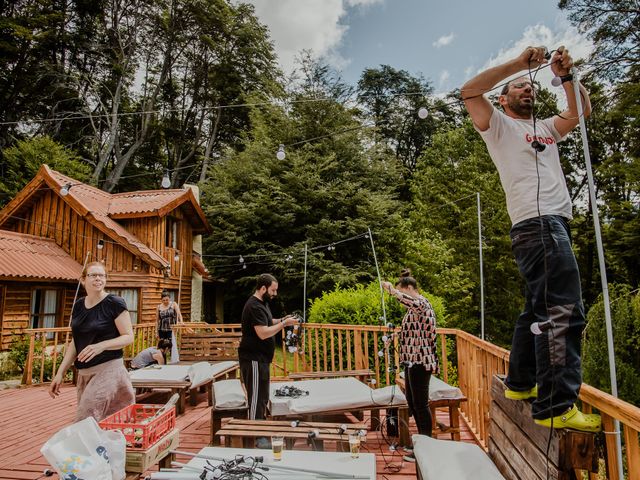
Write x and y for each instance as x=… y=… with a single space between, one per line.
x=445 y=41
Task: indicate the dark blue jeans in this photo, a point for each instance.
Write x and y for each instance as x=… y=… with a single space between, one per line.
x=542 y=248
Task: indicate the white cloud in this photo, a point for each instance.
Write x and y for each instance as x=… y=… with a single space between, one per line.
x=297 y=25
x=444 y=78
x=541 y=35
x=444 y=40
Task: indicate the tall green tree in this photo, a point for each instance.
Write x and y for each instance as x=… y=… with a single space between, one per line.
x=613 y=26
x=328 y=188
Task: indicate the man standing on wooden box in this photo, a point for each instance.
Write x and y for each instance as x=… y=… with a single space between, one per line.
x=257 y=345
x=545 y=362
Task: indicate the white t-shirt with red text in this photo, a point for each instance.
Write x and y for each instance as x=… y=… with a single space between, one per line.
x=509 y=143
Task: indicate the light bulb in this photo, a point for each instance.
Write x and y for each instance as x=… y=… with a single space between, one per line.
x=281 y=155
x=64 y=191
x=380 y=353
x=423 y=113
x=244 y=266
x=100 y=244
x=385 y=339
x=176 y=257
x=166 y=181
x=241 y=259
x=389 y=325
x=556 y=81
x=373 y=381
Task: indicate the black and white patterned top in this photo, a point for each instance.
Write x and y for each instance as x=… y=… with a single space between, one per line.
x=418 y=332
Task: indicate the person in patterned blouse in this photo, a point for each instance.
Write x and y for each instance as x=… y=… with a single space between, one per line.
x=417 y=348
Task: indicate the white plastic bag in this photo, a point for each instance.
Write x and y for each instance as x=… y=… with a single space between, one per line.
x=84 y=451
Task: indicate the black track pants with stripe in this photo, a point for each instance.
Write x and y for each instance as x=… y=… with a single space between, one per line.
x=255 y=377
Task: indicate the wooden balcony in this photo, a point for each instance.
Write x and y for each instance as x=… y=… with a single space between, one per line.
x=465 y=359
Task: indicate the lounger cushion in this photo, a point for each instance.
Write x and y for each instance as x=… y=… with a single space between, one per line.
x=440 y=459
x=229 y=394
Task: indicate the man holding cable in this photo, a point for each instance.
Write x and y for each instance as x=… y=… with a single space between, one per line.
x=257 y=346
x=545 y=366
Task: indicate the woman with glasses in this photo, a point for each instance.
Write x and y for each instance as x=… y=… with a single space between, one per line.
x=100 y=327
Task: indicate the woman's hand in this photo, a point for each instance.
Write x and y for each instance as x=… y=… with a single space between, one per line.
x=90 y=352
x=387 y=286
x=54 y=388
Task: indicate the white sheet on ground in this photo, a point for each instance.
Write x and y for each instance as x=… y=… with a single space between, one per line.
x=229 y=394
x=330 y=394
x=440 y=459
x=197 y=373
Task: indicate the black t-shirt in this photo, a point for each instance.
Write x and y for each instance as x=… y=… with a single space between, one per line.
x=256 y=312
x=95 y=324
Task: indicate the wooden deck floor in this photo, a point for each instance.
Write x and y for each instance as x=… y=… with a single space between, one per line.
x=29 y=417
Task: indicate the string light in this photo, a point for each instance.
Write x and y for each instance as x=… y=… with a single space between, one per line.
x=241 y=259
x=423 y=113
x=280 y=154
x=176 y=257
x=64 y=190
x=100 y=244
x=166 y=181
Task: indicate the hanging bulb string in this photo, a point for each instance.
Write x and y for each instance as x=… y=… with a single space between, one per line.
x=235 y=105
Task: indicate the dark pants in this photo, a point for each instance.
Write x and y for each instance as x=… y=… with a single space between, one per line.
x=416 y=378
x=552 y=359
x=164 y=334
x=255 y=377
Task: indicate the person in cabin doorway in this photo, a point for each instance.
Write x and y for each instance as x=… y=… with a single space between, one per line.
x=418 y=353
x=100 y=327
x=167 y=314
x=257 y=346
x=545 y=367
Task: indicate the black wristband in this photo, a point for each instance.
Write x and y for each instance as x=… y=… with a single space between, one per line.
x=566 y=78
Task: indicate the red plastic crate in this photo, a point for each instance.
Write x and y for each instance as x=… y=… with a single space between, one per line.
x=137 y=425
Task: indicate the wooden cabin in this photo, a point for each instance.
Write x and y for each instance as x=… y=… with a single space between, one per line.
x=146 y=240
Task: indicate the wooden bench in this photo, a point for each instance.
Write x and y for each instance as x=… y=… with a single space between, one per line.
x=362 y=375
x=451 y=404
x=240 y=433
x=209 y=346
x=518 y=446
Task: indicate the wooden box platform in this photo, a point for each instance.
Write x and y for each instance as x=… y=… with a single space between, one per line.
x=518 y=446
x=141 y=461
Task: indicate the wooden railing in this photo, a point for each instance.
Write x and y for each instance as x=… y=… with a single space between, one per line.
x=47 y=347
x=332 y=347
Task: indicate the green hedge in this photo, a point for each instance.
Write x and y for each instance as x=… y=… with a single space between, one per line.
x=360 y=305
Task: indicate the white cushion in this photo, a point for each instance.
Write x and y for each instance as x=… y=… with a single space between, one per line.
x=229 y=394
x=199 y=373
x=445 y=459
x=439 y=390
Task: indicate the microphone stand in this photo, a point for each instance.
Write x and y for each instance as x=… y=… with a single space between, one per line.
x=182 y=476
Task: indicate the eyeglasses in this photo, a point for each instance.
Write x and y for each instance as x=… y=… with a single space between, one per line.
x=522 y=85
x=97 y=275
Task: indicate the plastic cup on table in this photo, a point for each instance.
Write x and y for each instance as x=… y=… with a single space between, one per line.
x=277 y=445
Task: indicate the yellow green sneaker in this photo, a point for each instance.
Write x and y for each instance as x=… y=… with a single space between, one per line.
x=574 y=419
x=513 y=395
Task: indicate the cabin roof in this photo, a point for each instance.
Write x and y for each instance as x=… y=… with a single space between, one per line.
x=30 y=257
x=102 y=209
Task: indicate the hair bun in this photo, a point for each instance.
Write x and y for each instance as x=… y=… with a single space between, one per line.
x=406 y=272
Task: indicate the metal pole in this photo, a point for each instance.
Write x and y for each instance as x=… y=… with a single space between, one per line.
x=304 y=287
x=375 y=259
x=481 y=272
x=602 y=266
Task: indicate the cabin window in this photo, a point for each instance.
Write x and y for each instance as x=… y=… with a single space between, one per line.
x=130 y=296
x=44 y=308
x=171 y=238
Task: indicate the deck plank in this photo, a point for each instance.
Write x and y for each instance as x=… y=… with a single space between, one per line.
x=29 y=417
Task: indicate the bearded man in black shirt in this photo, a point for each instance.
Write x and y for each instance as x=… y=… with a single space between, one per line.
x=258 y=344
